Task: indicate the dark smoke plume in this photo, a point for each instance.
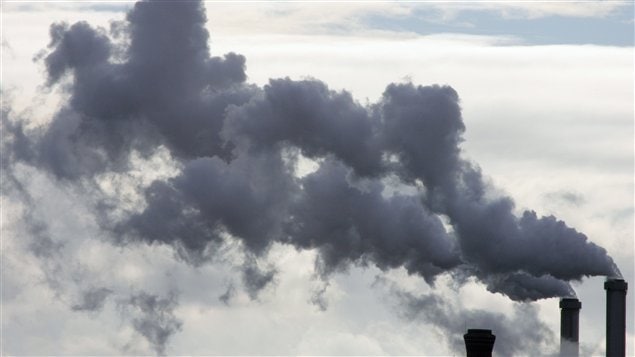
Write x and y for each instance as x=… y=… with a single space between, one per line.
x=237 y=148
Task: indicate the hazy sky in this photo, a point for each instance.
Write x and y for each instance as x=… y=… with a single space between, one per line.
x=156 y=200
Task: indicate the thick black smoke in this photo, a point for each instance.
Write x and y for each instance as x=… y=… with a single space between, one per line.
x=238 y=147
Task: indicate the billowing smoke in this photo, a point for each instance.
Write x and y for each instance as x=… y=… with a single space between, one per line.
x=239 y=146
x=150 y=84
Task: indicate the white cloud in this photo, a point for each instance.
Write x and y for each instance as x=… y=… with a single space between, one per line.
x=532 y=9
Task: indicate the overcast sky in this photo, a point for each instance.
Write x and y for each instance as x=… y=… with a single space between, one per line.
x=161 y=197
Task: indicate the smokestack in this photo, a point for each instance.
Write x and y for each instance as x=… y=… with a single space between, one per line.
x=569 y=326
x=615 y=317
x=479 y=343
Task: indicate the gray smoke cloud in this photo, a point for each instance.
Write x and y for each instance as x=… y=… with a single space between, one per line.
x=237 y=147
x=254 y=279
x=92 y=299
x=153 y=317
x=348 y=223
x=35 y=233
x=519 y=334
x=226 y=297
x=167 y=91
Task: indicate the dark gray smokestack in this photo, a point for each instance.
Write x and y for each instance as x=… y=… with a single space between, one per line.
x=615 y=317
x=479 y=343
x=569 y=326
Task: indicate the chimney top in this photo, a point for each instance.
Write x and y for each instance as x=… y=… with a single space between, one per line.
x=570 y=303
x=615 y=284
x=479 y=342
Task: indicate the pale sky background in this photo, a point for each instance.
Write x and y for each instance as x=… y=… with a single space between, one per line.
x=547 y=95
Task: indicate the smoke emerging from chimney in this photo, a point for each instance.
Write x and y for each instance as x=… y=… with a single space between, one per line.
x=150 y=84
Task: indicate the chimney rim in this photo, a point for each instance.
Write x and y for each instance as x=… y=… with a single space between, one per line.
x=615 y=284
x=570 y=303
x=479 y=330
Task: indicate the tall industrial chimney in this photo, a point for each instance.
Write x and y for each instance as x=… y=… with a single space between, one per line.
x=615 y=317
x=569 y=326
x=479 y=343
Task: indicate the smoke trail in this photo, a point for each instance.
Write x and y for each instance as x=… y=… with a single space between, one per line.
x=92 y=299
x=153 y=317
x=528 y=336
x=237 y=147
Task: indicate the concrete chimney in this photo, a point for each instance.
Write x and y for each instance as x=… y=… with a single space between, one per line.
x=569 y=326
x=479 y=343
x=615 y=317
